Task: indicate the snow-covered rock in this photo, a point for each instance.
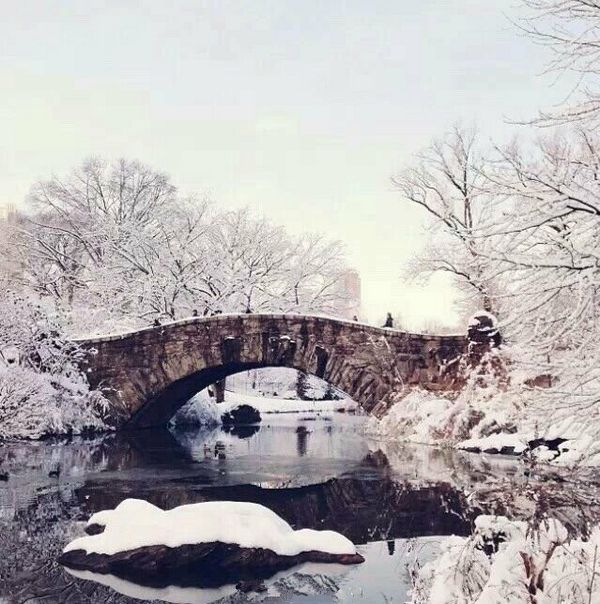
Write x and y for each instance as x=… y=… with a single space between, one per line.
x=218 y=540
x=136 y=523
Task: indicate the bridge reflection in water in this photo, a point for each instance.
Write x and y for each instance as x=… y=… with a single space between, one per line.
x=366 y=503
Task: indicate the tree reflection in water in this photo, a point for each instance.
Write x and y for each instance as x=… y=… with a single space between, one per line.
x=370 y=492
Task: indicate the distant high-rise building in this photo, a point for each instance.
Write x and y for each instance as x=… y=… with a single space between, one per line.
x=8 y=215
x=350 y=293
x=7 y=211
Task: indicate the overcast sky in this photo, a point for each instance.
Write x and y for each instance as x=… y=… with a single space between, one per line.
x=302 y=109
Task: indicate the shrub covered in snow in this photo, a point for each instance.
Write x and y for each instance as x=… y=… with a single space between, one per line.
x=506 y=562
x=42 y=390
x=201 y=410
x=33 y=405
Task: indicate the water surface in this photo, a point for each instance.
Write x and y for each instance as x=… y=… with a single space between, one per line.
x=316 y=471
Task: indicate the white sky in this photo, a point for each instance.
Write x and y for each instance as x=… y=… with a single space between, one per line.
x=301 y=109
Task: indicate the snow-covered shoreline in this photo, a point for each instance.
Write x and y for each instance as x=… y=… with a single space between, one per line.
x=203 y=411
x=493 y=424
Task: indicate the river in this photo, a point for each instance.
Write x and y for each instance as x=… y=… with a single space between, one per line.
x=321 y=471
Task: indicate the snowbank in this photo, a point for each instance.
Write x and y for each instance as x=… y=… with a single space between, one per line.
x=494 y=420
x=511 y=562
x=203 y=411
x=415 y=418
x=135 y=523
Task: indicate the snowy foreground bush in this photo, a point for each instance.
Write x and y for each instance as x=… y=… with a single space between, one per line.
x=507 y=562
x=34 y=405
x=42 y=390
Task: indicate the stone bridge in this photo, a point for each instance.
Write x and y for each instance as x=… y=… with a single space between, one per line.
x=149 y=374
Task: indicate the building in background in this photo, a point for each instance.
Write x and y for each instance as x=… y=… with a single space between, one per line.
x=350 y=304
x=7 y=211
x=8 y=218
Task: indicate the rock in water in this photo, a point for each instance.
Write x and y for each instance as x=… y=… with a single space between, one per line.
x=203 y=544
x=243 y=414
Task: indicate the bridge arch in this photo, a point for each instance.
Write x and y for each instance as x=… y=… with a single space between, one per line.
x=147 y=375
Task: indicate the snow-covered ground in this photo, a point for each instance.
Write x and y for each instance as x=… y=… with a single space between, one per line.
x=286 y=405
x=493 y=421
x=202 y=409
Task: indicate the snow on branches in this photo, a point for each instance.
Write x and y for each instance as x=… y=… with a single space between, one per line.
x=509 y=561
x=530 y=251
x=42 y=390
x=114 y=245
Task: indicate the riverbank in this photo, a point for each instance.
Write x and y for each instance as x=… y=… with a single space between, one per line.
x=494 y=422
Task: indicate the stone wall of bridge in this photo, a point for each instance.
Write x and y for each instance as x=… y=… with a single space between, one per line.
x=148 y=374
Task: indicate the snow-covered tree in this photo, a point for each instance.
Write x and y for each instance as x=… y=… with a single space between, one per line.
x=548 y=246
x=313 y=276
x=115 y=246
x=448 y=183
x=570 y=29
x=42 y=389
